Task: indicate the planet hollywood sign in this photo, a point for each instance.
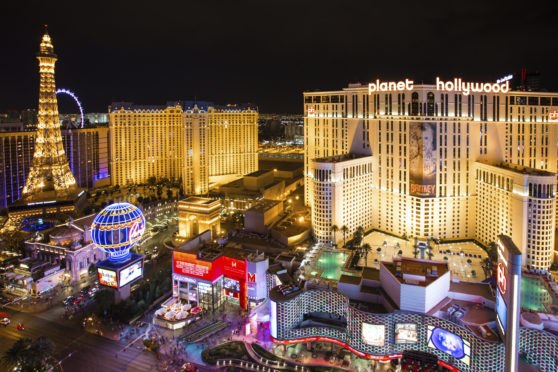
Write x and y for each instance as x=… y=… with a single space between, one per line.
x=455 y=85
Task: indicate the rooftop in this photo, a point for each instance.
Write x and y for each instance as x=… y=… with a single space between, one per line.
x=199 y=200
x=257 y=173
x=280 y=165
x=339 y=158
x=264 y=205
x=520 y=169
x=416 y=271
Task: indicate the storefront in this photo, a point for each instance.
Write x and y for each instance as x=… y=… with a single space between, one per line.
x=208 y=279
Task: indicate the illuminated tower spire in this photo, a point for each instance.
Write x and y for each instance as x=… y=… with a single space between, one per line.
x=50 y=170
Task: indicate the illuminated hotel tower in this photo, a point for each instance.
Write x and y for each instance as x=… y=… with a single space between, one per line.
x=50 y=171
x=447 y=163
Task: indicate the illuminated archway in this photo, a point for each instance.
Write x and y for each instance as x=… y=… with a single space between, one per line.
x=78 y=103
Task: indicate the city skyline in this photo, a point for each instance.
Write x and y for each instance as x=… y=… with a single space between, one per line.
x=268 y=55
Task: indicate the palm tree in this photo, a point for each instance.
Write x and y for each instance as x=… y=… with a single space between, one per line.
x=429 y=254
x=366 y=248
x=334 y=230
x=16 y=355
x=359 y=235
x=42 y=350
x=345 y=230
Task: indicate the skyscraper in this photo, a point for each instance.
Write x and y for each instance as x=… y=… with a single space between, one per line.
x=451 y=160
x=197 y=141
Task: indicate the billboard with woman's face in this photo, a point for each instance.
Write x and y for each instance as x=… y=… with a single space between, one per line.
x=422 y=159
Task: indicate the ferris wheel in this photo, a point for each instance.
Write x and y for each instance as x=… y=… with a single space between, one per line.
x=78 y=103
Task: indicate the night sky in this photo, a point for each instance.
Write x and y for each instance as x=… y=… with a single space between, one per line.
x=266 y=52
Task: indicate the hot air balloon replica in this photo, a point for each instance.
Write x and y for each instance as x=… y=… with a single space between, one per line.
x=115 y=230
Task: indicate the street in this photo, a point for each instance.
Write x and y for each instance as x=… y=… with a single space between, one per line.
x=89 y=352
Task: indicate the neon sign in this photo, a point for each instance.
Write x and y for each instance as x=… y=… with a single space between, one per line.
x=251 y=277
x=553 y=115
x=502 y=279
x=311 y=110
x=504 y=79
x=137 y=229
x=459 y=86
x=388 y=86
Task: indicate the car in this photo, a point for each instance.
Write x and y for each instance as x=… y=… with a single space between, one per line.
x=77 y=300
x=5 y=322
x=85 y=290
x=69 y=300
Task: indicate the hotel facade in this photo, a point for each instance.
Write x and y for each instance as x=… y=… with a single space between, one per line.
x=451 y=160
x=195 y=141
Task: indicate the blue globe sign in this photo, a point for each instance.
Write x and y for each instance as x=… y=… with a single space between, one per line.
x=117 y=228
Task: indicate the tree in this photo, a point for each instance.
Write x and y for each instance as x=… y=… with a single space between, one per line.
x=366 y=248
x=30 y=355
x=15 y=356
x=429 y=254
x=469 y=261
x=169 y=193
x=104 y=300
x=400 y=253
x=359 y=235
x=92 y=269
x=152 y=181
x=345 y=230
x=416 y=252
x=334 y=230
x=492 y=251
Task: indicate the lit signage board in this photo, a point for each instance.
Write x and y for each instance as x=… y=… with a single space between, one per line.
x=501 y=312
x=131 y=273
x=455 y=85
x=449 y=343
x=188 y=264
x=406 y=333
x=553 y=115
x=233 y=267
x=373 y=334
x=107 y=277
x=508 y=297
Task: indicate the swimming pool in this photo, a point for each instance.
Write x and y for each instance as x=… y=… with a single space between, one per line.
x=534 y=294
x=331 y=263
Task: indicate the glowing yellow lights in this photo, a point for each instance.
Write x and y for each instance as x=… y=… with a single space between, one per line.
x=50 y=169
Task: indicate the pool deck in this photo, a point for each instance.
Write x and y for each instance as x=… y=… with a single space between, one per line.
x=551 y=292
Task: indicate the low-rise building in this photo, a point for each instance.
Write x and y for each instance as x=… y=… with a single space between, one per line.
x=68 y=245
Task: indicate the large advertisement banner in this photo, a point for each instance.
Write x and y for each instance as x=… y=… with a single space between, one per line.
x=422 y=159
x=131 y=273
x=107 y=277
x=188 y=264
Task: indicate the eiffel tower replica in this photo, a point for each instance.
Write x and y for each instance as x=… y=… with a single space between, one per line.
x=50 y=187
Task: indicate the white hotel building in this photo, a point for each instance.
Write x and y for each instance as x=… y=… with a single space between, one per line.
x=446 y=164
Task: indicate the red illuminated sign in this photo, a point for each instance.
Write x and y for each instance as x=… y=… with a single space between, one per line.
x=233 y=268
x=553 y=115
x=381 y=358
x=188 y=264
x=502 y=279
x=251 y=278
x=311 y=109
